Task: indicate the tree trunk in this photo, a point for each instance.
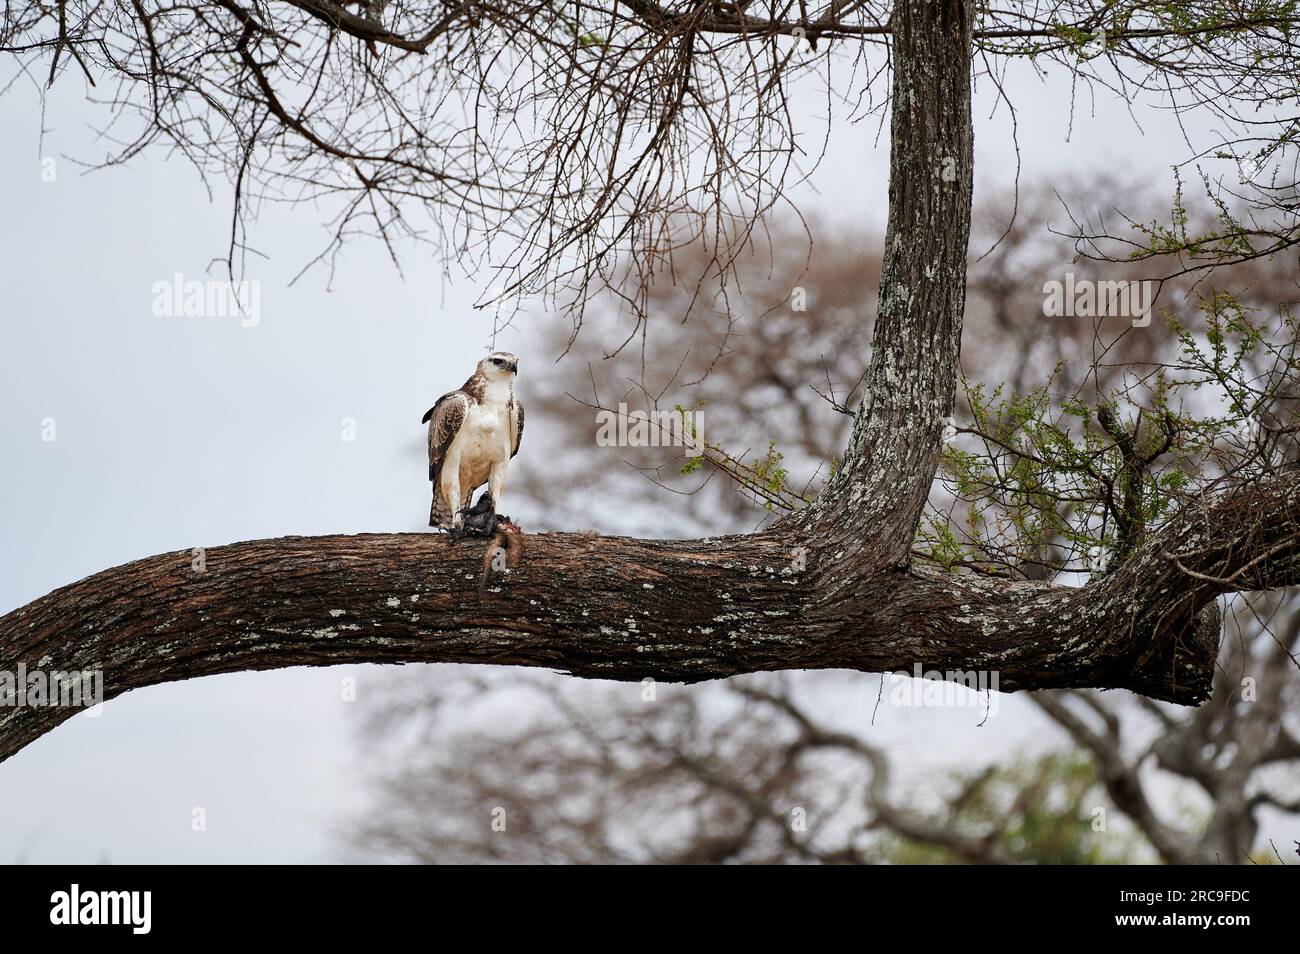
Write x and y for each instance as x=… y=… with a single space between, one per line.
x=879 y=492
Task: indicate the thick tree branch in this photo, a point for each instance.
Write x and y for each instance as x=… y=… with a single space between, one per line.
x=619 y=608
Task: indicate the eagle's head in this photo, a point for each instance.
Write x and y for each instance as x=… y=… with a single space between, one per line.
x=499 y=366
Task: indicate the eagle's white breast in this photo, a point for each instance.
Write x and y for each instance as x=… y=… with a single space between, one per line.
x=485 y=437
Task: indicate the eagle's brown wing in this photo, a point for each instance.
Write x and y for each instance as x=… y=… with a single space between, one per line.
x=517 y=412
x=445 y=419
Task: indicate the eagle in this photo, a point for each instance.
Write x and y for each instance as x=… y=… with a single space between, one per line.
x=473 y=434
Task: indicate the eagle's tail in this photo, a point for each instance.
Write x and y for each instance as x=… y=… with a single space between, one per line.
x=439 y=512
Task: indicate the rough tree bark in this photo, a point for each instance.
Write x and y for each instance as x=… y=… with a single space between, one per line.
x=829 y=588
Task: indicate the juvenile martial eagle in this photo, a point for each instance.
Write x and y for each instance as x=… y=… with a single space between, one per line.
x=473 y=433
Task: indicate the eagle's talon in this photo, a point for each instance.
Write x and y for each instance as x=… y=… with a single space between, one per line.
x=481 y=519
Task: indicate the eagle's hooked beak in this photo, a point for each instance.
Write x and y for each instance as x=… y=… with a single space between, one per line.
x=514 y=367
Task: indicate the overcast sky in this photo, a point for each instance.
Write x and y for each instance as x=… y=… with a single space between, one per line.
x=172 y=434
